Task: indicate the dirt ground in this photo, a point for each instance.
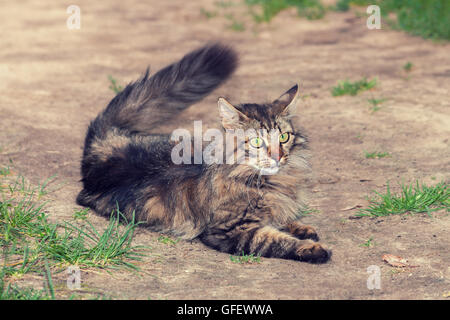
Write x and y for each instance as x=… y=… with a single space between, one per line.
x=53 y=81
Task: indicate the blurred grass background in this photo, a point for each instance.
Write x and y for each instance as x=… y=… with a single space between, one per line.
x=425 y=18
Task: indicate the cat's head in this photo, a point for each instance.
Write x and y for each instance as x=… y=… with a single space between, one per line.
x=269 y=134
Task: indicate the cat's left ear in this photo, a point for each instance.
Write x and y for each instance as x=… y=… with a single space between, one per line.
x=286 y=105
x=231 y=117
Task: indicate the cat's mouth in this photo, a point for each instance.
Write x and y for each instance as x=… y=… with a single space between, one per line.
x=269 y=170
x=269 y=167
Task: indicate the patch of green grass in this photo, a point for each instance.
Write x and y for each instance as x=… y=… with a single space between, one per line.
x=353 y=88
x=375 y=104
x=29 y=240
x=48 y=281
x=20 y=218
x=22 y=186
x=245 y=258
x=167 y=240
x=31 y=244
x=114 y=86
x=308 y=211
x=428 y=19
x=344 y=5
x=311 y=9
x=10 y=291
x=5 y=171
x=376 y=155
x=81 y=214
x=13 y=292
x=42 y=187
x=224 y=4
x=425 y=18
x=369 y=243
x=412 y=198
x=407 y=66
x=85 y=246
x=208 y=14
x=235 y=25
x=375 y=109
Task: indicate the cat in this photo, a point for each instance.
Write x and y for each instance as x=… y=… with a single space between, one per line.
x=233 y=208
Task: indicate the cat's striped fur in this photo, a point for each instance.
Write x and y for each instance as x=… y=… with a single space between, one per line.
x=228 y=207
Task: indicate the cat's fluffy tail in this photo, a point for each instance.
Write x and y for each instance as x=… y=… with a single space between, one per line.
x=151 y=100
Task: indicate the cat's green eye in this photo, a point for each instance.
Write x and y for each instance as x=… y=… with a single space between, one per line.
x=284 y=137
x=256 y=142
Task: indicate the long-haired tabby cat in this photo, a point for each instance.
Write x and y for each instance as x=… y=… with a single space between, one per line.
x=233 y=208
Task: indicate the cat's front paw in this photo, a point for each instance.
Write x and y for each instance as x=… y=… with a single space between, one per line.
x=303 y=231
x=312 y=252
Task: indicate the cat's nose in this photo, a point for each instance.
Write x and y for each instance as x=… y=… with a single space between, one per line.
x=275 y=155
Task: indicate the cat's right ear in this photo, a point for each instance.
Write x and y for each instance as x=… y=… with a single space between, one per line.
x=231 y=117
x=286 y=105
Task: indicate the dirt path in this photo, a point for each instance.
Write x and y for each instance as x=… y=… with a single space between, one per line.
x=53 y=81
